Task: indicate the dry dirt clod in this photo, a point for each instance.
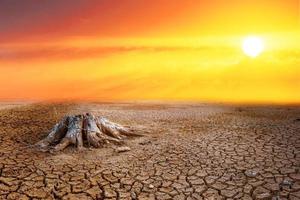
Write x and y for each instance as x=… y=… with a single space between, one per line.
x=122 y=149
x=145 y=142
x=286 y=182
x=251 y=173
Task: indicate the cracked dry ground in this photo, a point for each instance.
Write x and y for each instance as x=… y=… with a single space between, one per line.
x=188 y=152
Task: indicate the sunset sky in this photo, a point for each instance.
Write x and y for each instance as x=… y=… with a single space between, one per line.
x=187 y=50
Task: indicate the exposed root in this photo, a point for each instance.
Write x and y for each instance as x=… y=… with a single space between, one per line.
x=113 y=129
x=56 y=134
x=85 y=129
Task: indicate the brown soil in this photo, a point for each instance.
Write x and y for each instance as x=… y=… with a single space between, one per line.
x=189 y=151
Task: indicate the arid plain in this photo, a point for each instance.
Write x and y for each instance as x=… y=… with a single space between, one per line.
x=188 y=151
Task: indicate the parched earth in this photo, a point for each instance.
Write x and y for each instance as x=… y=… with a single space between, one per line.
x=189 y=151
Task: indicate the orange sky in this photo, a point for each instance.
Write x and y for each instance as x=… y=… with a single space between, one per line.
x=149 y=50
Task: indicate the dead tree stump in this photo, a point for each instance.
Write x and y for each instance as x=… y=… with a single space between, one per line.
x=87 y=129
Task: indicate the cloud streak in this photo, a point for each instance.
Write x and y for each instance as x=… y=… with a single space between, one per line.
x=73 y=53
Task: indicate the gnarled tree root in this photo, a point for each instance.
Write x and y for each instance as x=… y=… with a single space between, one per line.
x=85 y=129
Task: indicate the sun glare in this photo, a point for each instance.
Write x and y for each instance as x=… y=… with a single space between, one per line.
x=253 y=46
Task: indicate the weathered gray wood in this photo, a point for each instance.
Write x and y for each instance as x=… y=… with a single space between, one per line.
x=92 y=131
x=56 y=134
x=113 y=129
x=74 y=133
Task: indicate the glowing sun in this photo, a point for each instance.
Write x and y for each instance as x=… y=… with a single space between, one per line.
x=253 y=46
